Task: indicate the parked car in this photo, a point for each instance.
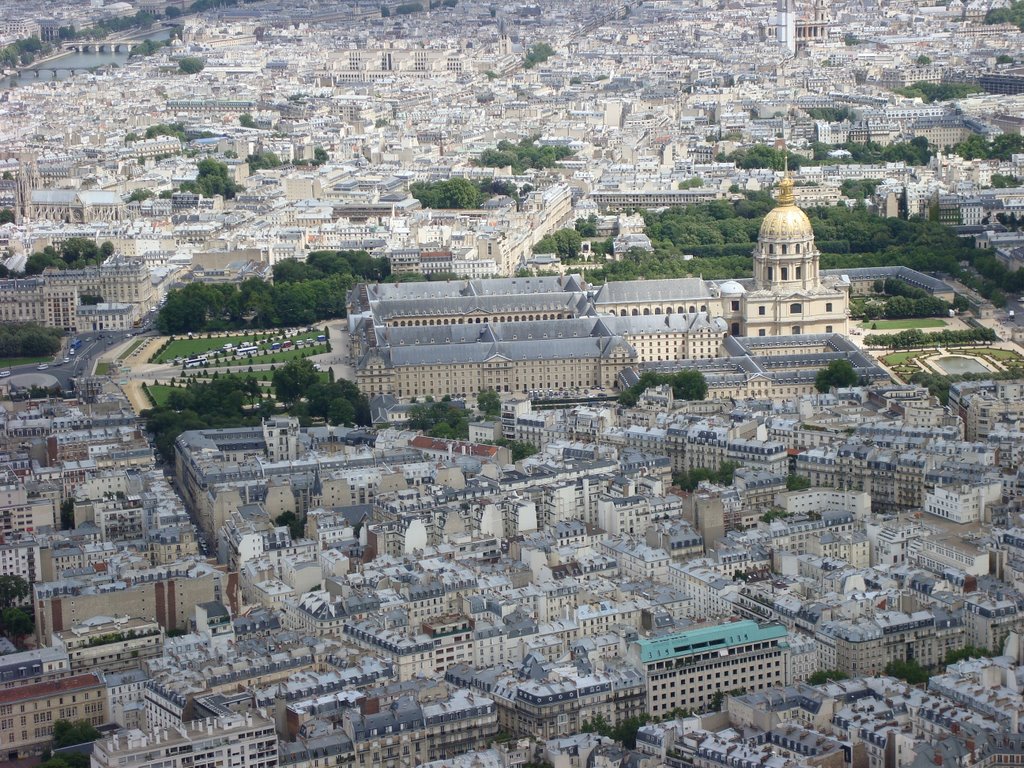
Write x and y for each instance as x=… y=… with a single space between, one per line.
x=42 y=367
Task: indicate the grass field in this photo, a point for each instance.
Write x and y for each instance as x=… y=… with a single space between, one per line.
x=131 y=348
x=10 y=362
x=899 y=357
x=160 y=392
x=999 y=354
x=902 y=325
x=193 y=347
x=276 y=357
x=104 y=369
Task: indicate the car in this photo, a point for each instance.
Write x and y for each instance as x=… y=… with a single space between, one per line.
x=67 y=359
x=72 y=353
x=4 y=374
x=42 y=367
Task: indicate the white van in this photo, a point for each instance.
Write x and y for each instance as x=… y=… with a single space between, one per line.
x=4 y=374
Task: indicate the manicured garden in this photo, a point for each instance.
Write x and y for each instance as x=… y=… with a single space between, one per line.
x=186 y=348
x=11 y=362
x=899 y=325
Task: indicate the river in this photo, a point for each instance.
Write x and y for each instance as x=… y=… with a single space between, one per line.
x=78 y=61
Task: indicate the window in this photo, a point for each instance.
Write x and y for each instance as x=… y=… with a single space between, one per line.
x=785 y=273
x=828 y=306
x=828 y=329
x=735 y=306
x=799 y=272
x=761 y=332
x=796 y=330
x=796 y=309
x=760 y=310
x=771 y=273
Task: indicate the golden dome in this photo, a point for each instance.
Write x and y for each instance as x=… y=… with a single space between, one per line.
x=786 y=221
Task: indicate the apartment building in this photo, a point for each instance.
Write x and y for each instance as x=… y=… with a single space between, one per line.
x=684 y=670
x=867 y=645
x=28 y=712
x=53 y=298
x=166 y=595
x=408 y=732
x=232 y=741
x=110 y=644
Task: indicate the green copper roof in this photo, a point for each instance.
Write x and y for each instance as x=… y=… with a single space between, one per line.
x=706 y=639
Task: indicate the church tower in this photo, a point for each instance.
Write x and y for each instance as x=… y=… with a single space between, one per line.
x=788 y=296
x=785 y=258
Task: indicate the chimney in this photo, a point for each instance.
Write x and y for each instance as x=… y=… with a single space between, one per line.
x=937 y=758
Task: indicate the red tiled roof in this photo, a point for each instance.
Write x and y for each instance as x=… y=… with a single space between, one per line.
x=458 y=448
x=40 y=690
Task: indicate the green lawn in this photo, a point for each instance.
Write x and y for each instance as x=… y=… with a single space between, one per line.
x=160 y=392
x=10 y=362
x=276 y=357
x=193 y=347
x=104 y=369
x=999 y=354
x=894 y=325
x=899 y=357
x=131 y=348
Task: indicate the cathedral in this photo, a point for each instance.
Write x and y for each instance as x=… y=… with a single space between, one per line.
x=787 y=295
x=525 y=334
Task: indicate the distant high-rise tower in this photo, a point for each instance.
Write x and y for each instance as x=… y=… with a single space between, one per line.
x=785 y=25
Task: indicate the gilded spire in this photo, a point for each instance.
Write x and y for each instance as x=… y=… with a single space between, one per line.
x=786 y=185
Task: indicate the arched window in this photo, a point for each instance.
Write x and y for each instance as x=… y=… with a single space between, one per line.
x=692 y=309
x=647 y=310
x=668 y=310
x=622 y=313
x=657 y=310
x=735 y=329
x=636 y=312
x=796 y=309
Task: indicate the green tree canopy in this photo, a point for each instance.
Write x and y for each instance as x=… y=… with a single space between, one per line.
x=191 y=65
x=839 y=373
x=67 y=734
x=293 y=379
x=14 y=590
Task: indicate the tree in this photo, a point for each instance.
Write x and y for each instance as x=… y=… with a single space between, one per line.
x=587 y=227
x=262 y=160
x=293 y=379
x=68 y=734
x=296 y=525
x=839 y=373
x=6 y=216
x=191 y=65
x=320 y=156
x=245 y=120
x=797 y=483
x=923 y=60
x=489 y=403
x=538 y=53
x=17 y=623
x=67 y=514
x=139 y=195
x=13 y=591
x=824 y=675
x=911 y=671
